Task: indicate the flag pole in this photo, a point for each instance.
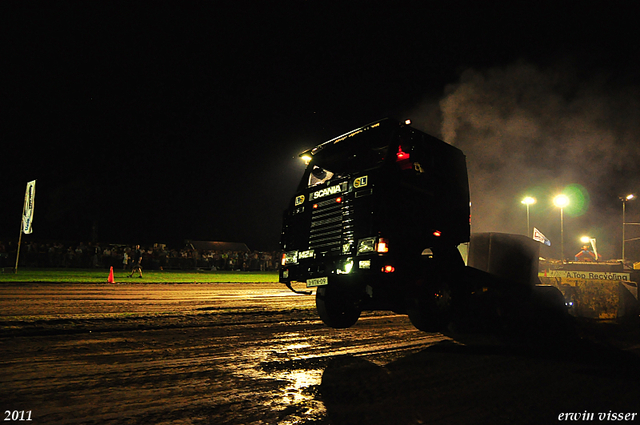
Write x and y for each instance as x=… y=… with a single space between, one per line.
x=15 y=269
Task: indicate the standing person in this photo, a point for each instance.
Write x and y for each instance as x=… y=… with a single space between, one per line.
x=125 y=259
x=137 y=262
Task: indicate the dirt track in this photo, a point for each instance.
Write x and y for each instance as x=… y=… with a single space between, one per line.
x=256 y=353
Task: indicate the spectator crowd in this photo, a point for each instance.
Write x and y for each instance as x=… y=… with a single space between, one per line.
x=156 y=257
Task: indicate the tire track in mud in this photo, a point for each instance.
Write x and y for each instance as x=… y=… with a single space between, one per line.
x=254 y=359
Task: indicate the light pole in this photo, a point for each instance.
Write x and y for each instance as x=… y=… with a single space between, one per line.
x=561 y=201
x=528 y=201
x=624 y=208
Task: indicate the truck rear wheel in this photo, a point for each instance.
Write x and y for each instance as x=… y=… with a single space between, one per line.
x=431 y=311
x=335 y=308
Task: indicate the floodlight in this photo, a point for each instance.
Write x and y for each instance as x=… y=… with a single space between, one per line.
x=561 y=201
x=306 y=158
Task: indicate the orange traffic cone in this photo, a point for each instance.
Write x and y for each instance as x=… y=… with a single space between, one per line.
x=110 y=280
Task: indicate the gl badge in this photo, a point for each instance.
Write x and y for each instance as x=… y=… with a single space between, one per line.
x=360 y=182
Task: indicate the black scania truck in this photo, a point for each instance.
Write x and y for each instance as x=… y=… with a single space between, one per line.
x=375 y=224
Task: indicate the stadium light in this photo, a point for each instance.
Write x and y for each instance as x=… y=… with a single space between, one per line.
x=624 y=200
x=528 y=201
x=561 y=201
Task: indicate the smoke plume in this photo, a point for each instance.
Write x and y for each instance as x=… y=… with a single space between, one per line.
x=528 y=130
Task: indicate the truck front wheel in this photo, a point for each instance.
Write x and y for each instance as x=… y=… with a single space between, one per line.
x=335 y=308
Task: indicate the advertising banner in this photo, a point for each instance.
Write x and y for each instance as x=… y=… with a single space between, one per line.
x=27 y=211
x=588 y=275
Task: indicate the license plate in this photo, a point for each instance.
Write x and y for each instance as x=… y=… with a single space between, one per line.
x=318 y=281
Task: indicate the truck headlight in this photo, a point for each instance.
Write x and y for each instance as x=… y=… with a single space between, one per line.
x=346 y=267
x=366 y=245
x=364 y=264
x=380 y=245
x=290 y=257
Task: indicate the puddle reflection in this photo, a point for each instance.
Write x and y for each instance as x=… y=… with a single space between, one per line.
x=284 y=359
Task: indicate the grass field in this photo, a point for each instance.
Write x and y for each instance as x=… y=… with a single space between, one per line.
x=149 y=276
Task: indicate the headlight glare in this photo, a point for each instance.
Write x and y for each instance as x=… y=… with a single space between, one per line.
x=346 y=267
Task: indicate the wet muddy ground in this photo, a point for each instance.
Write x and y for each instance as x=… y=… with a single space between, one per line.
x=257 y=354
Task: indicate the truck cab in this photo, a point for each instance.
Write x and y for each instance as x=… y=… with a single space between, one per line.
x=375 y=223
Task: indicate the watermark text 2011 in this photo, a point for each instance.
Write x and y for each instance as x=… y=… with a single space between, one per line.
x=17 y=415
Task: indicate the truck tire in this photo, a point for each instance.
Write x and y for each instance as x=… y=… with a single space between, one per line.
x=431 y=311
x=336 y=309
x=550 y=313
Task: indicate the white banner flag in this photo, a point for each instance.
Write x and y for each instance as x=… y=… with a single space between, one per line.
x=27 y=211
x=538 y=236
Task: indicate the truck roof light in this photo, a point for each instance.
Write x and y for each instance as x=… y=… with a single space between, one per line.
x=306 y=156
x=437 y=233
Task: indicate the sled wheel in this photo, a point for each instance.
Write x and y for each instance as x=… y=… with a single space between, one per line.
x=431 y=311
x=336 y=309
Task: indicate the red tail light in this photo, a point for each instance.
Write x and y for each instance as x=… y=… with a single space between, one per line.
x=401 y=155
x=388 y=269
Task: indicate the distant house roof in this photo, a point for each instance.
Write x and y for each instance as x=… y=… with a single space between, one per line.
x=219 y=246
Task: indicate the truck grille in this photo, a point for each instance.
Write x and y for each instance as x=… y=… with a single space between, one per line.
x=326 y=226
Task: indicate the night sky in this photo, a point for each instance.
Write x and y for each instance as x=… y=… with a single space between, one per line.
x=149 y=122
